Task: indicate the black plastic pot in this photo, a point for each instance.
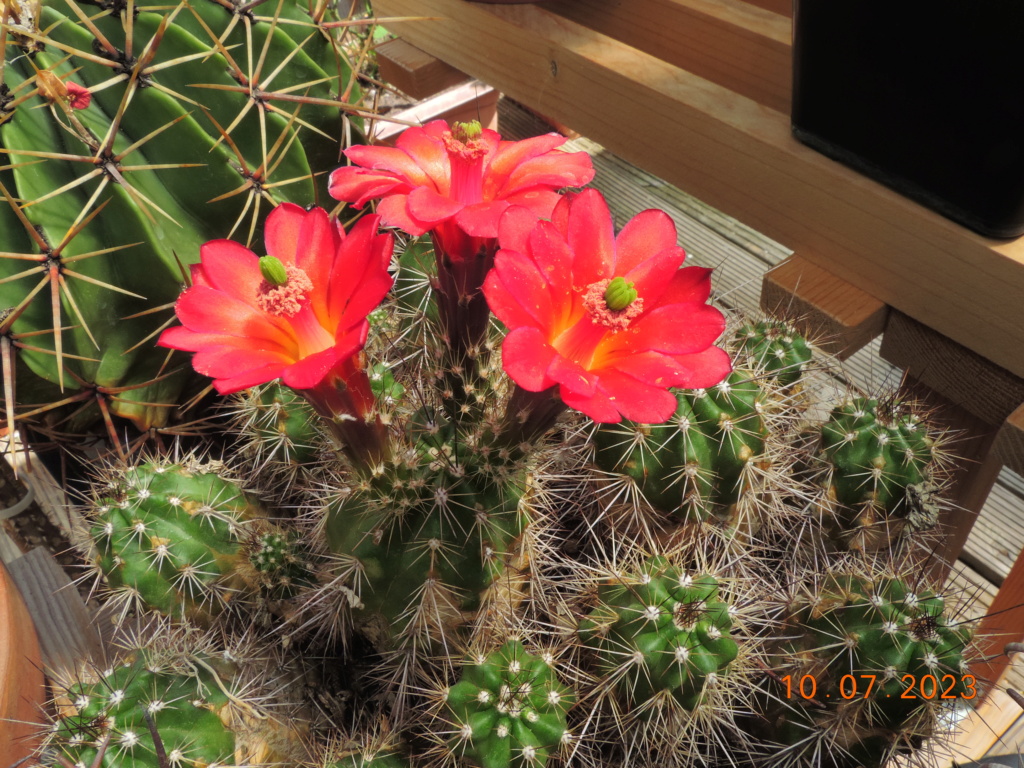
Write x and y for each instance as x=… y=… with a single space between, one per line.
x=926 y=96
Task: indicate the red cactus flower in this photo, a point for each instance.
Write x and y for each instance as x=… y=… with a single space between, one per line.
x=613 y=322
x=297 y=315
x=457 y=182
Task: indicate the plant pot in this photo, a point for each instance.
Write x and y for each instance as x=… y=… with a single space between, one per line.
x=925 y=97
x=22 y=688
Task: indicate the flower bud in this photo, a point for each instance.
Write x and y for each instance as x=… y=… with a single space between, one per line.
x=619 y=294
x=273 y=271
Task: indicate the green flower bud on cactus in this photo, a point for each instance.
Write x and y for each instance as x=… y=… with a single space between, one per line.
x=696 y=463
x=660 y=634
x=881 y=469
x=619 y=294
x=273 y=271
x=141 y=710
x=775 y=348
x=508 y=710
x=171 y=536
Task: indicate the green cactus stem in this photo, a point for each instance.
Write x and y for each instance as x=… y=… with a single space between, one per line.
x=661 y=634
x=508 y=710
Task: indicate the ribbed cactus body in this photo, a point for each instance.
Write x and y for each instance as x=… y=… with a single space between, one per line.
x=774 y=347
x=157 y=178
x=877 y=660
x=429 y=530
x=508 y=710
x=696 y=463
x=133 y=700
x=660 y=633
x=880 y=463
x=173 y=537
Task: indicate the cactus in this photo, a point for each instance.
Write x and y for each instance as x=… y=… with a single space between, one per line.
x=145 y=713
x=774 y=347
x=882 y=470
x=134 y=134
x=184 y=541
x=508 y=710
x=661 y=633
x=449 y=568
x=878 y=659
x=700 y=463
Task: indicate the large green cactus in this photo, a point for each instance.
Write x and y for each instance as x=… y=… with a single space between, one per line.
x=203 y=115
x=867 y=666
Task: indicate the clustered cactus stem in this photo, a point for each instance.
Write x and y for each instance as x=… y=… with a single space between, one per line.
x=605 y=530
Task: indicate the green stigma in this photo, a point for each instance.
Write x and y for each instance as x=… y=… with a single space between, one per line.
x=273 y=270
x=467 y=132
x=619 y=294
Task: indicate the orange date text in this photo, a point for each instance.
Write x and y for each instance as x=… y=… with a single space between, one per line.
x=863 y=686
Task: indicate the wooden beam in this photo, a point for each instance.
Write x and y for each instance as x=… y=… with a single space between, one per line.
x=839 y=317
x=732 y=43
x=1009 y=444
x=415 y=72
x=986 y=390
x=1004 y=623
x=22 y=688
x=740 y=157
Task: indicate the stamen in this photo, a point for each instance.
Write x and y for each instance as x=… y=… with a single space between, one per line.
x=596 y=304
x=284 y=300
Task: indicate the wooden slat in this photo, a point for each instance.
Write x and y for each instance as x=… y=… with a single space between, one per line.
x=838 y=316
x=732 y=43
x=740 y=157
x=66 y=634
x=413 y=71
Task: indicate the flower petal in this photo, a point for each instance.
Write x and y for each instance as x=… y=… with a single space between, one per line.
x=282 y=232
x=232 y=268
x=246 y=379
x=311 y=370
x=360 y=185
x=591 y=236
x=647 y=233
x=502 y=299
x=425 y=146
x=540 y=200
x=597 y=406
x=481 y=219
x=427 y=206
x=704 y=369
x=653 y=368
x=394 y=212
x=514 y=228
x=208 y=310
x=554 y=169
x=689 y=285
x=391 y=160
x=525 y=285
x=636 y=400
x=573 y=376
x=653 y=275
x=674 y=329
x=526 y=356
